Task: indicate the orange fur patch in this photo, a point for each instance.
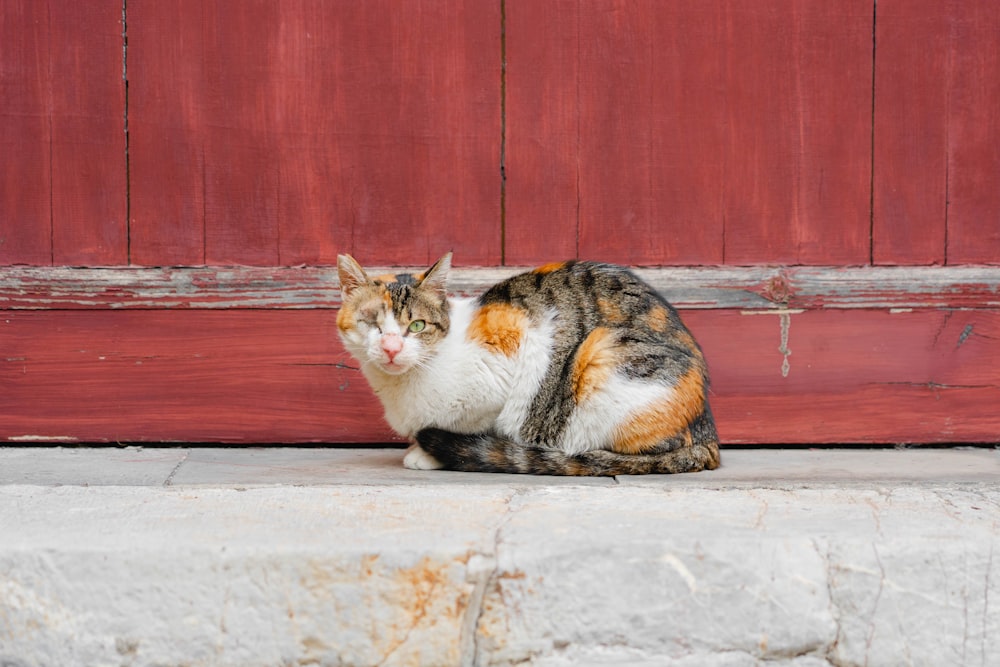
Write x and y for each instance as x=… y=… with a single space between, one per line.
x=549 y=268
x=658 y=319
x=645 y=429
x=500 y=327
x=594 y=363
x=345 y=317
x=611 y=311
x=386 y=278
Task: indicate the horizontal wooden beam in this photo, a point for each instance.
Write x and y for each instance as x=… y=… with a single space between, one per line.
x=246 y=376
x=743 y=288
x=245 y=355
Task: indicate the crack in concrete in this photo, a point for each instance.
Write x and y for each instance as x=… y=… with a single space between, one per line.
x=829 y=652
x=870 y=639
x=170 y=477
x=483 y=579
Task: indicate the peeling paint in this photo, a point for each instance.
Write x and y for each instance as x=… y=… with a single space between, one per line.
x=966 y=332
x=762 y=288
x=42 y=438
x=785 y=320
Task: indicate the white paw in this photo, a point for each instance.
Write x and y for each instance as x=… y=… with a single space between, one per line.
x=417 y=459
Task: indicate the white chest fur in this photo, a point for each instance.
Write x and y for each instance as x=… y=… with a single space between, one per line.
x=465 y=387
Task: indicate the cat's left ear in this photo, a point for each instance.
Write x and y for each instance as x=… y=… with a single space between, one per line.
x=436 y=277
x=352 y=276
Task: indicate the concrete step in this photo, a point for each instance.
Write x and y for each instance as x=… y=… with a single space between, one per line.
x=285 y=556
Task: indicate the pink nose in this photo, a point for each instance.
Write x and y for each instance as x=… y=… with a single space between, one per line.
x=392 y=344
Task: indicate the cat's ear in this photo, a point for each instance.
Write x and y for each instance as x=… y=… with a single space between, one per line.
x=436 y=278
x=352 y=276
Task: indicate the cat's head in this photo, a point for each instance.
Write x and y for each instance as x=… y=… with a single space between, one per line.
x=393 y=322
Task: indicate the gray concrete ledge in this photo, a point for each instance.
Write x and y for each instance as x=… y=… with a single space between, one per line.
x=234 y=556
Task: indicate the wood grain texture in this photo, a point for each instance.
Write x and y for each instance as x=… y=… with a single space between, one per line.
x=937 y=154
x=168 y=105
x=62 y=135
x=192 y=376
x=696 y=133
x=542 y=131
x=744 y=288
x=853 y=376
x=653 y=119
x=272 y=376
x=798 y=113
x=974 y=133
x=910 y=138
x=89 y=172
x=25 y=135
x=286 y=136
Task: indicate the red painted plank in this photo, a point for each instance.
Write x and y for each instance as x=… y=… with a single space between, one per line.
x=166 y=62
x=89 y=189
x=798 y=115
x=653 y=131
x=281 y=376
x=25 y=135
x=728 y=131
x=853 y=375
x=542 y=130
x=368 y=127
x=974 y=133
x=213 y=376
x=911 y=132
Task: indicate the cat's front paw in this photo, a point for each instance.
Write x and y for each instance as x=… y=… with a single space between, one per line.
x=417 y=459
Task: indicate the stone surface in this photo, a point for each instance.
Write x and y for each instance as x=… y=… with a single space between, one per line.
x=266 y=576
x=340 y=557
x=99 y=466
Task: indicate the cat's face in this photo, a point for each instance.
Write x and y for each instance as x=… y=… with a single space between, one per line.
x=392 y=323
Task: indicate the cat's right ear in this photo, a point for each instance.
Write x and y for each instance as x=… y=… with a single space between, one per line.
x=436 y=277
x=352 y=276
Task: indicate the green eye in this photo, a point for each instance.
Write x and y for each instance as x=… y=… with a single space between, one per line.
x=416 y=326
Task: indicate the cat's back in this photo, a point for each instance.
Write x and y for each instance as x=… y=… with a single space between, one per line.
x=582 y=295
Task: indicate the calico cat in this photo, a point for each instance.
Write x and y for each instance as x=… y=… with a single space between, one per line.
x=576 y=368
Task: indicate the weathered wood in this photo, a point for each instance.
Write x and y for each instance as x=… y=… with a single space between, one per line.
x=937 y=154
x=25 y=134
x=910 y=139
x=542 y=131
x=192 y=376
x=89 y=171
x=690 y=133
x=275 y=136
x=974 y=133
x=829 y=376
x=62 y=134
x=746 y=288
x=786 y=376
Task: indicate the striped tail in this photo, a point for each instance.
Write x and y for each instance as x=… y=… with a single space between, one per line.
x=485 y=452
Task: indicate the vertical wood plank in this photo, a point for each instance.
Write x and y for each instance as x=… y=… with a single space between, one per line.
x=728 y=131
x=400 y=113
x=974 y=134
x=653 y=132
x=911 y=133
x=167 y=119
x=542 y=129
x=89 y=189
x=798 y=170
x=25 y=135
x=320 y=128
x=239 y=133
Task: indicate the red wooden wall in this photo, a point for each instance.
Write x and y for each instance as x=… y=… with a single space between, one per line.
x=216 y=133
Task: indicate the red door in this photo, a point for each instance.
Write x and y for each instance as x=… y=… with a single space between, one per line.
x=178 y=177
